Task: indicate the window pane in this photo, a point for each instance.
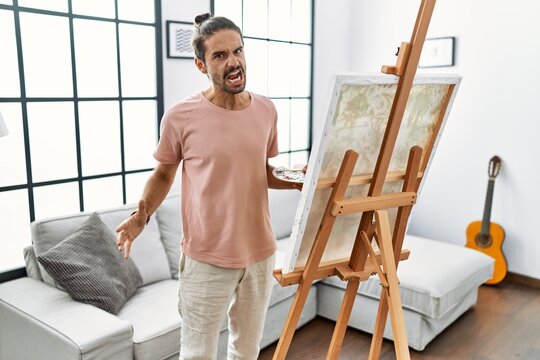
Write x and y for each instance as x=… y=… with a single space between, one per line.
x=54 y=5
x=140 y=134
x=102 y=193
x=52 y=141
x=256 y=19
x=99 y=123
x=56 y=200
x=279 y=20
x=138 y=60
x=135 y=186
x=257 y=66
x=12 y=158
x=9 y=67
x=283 y=124
x=299 y=159
x=95 y=58
x=7 y=2
x=280 y=69
x=301 y=26
x=301 y=76
x=101 y=8
x=47 y=56
x=14 y=222
x=140 y=10
x=299 y=124
x=231 y=9
x=280 y=160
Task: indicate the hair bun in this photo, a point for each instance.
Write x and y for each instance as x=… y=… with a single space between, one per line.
x=199 y=19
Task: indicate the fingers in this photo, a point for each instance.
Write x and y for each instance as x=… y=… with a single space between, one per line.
x=124 y=243
x=122 y=226
x=127 y=249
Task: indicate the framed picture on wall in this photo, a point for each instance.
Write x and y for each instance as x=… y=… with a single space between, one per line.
x=437 y=52
x=179 y=40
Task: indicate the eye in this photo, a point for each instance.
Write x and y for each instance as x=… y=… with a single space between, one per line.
x=219 y=56
x=238 y=51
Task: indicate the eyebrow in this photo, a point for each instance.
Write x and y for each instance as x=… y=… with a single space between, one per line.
x=241 y=47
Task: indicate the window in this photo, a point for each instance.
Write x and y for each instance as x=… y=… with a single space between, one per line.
x=81 y=91
x=278 y=39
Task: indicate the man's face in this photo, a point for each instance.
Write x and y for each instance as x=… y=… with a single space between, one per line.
x=225 y=62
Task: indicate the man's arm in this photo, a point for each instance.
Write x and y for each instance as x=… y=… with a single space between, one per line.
x=275 y=183
x=156 y=189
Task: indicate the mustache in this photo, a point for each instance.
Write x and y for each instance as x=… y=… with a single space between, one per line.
x=233 y=69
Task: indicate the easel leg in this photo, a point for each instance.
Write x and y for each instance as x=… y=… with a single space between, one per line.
x=410 y=184
x=380 y=324
x=343 y=319
x=292 y=320
x=392 y=293
x=342 y=181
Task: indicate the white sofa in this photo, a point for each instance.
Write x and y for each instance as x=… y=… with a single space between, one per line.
x=38 y=320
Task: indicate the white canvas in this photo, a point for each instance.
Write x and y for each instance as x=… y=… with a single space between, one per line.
x=357 y=120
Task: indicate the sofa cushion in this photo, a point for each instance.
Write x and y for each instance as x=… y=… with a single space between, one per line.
x=88 y=265
x=283 y=205
x=169 y=218
x=153 y=313
x=41 y=322
x=435 y=278
x=32 y=265
x=147 y=252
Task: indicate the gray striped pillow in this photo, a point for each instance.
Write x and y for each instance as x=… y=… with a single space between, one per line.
x=88 y=265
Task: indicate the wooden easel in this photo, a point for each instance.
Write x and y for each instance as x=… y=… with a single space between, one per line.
x=374 y=223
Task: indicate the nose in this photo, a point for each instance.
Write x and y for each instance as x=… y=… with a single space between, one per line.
x=232 y=61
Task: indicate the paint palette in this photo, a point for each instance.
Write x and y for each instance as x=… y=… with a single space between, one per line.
x=290 y=175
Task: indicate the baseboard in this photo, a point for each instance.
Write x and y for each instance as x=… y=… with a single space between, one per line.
x=522 y=279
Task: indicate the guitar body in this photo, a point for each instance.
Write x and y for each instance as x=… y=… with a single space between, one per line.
x=490 y=245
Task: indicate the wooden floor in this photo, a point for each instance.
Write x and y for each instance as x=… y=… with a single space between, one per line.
x=504 y=324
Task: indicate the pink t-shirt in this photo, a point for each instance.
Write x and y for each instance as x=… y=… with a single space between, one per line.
x=225 y=212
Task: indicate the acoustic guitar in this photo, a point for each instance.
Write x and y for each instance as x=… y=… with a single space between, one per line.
x=486 y=236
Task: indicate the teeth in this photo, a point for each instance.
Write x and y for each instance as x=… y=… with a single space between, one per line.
x=237 y=72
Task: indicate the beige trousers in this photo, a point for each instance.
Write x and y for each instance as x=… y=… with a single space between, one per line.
x=208 y=293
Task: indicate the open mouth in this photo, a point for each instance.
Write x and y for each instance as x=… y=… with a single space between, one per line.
x=235 y=77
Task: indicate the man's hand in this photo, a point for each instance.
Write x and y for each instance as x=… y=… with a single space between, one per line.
x=130 y=228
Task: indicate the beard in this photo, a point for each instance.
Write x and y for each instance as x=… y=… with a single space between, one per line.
x=223 y=83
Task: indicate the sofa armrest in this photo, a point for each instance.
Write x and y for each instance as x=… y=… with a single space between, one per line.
x=39 y=321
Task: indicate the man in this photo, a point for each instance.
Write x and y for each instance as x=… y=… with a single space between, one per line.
x=224 y=135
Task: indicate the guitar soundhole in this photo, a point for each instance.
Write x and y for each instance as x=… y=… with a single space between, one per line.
x=483 y=240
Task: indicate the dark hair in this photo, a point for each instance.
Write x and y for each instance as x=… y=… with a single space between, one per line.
x=205 y=26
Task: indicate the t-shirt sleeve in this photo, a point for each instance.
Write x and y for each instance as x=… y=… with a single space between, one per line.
x=272 y=149
x=169 y=148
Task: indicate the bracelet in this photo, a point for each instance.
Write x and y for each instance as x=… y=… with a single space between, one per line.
x=147 y=218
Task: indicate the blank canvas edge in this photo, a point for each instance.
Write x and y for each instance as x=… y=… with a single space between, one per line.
x=311 y=180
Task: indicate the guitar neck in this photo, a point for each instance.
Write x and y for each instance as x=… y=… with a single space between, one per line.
x=487 y=207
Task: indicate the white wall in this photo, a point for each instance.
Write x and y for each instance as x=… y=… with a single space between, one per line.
x=332 y=53
x=180 y=76
x=495 y=112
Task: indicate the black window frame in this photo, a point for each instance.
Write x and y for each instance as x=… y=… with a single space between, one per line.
x=310 y=96
x=14 y=273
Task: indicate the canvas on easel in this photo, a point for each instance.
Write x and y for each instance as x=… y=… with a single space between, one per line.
x=357 y=119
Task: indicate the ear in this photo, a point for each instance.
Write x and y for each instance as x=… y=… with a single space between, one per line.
x=201 y=65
